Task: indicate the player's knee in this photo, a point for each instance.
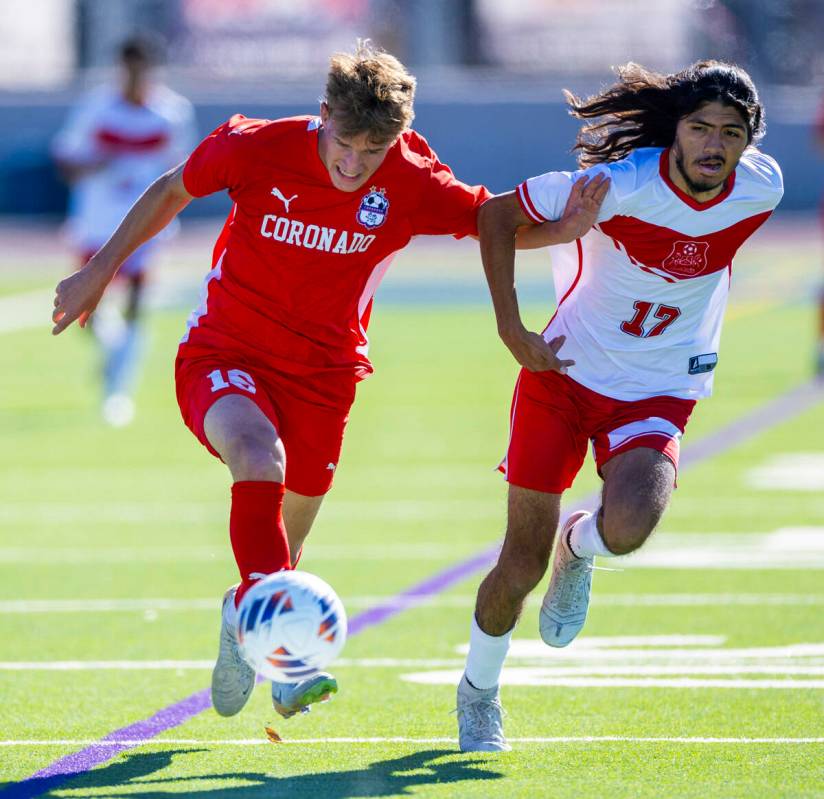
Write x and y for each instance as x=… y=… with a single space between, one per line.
x=523 y=570
x=622 y=542
x=255 y=455
x=626 y=528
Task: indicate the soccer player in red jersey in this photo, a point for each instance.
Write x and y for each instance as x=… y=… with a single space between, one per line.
x=267 y=369
x=641 y=298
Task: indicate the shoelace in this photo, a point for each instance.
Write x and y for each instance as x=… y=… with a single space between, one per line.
x=481 y=713
x=570 y=589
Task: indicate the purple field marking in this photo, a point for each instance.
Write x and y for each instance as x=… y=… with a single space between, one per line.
x=77 y=763
x=433 y=585
x=794 y=402
x=761 y=419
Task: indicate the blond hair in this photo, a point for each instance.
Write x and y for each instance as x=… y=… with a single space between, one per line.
x=370 y=91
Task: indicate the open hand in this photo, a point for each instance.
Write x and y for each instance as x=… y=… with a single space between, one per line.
x=582 y=207
x=536 y=354
x=76 y=297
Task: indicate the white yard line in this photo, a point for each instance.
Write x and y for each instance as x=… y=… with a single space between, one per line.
x=707 y=600
x=44 y=513
x=163 y=554
x=105 y=665
x=531 y=647
x=588 y=657
x=423 y=741
x=535 y=677
x=546 y=671
x=25 y=606
x=758 y=551
x=789 y=471
x=580 y=650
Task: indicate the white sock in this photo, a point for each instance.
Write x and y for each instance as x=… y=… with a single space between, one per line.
x=585 y=541
x=123 y=358
x=487 y=653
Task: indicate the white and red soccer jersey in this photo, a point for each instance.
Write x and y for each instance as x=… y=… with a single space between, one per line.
x=138 y=144
x=642 y=295
x=298 y=261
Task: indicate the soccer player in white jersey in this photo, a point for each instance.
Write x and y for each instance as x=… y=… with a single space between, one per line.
x=116 y=141
x=631 y=347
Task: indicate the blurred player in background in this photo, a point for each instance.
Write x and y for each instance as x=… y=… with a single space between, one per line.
x=266 y=372
x=117 y=140
x=819 y=363
x=641 y=298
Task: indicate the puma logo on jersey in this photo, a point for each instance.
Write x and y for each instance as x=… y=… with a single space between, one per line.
x=277 y=193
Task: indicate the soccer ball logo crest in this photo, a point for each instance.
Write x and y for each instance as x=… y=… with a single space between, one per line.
x=291 y=625
x=687 y=259
x=373 y=208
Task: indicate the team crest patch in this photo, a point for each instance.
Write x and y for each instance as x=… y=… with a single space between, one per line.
x=687 y=259
x=373 y=208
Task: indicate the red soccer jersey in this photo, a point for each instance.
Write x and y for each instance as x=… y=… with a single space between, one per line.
x=298 y=261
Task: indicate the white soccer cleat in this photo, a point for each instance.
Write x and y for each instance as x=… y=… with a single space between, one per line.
x=480 y=719
x=289 y=698
x=564 y=609
x=232 y=678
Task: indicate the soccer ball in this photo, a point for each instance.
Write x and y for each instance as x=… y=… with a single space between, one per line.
x=291 y=625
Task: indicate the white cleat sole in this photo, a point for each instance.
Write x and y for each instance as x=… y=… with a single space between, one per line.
x=486 y=746
x=232 y=678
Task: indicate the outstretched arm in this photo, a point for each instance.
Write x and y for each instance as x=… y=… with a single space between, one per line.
x=498 y=221
x=77 y=296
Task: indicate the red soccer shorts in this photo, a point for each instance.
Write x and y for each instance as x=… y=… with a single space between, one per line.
x=553 y=418
x=309 y=413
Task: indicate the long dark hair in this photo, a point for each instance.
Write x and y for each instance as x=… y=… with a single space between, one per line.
x=643 y=108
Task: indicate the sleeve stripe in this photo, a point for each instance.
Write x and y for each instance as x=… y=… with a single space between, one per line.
x=528 y=206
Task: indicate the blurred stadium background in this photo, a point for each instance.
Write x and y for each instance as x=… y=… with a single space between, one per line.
x=490 y=73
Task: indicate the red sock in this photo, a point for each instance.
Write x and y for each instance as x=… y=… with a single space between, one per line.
x=257 y=532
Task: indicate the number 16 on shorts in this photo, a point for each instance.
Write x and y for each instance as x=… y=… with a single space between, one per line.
x=234 y=377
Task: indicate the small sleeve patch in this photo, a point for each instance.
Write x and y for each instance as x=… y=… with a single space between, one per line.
x=699 y=364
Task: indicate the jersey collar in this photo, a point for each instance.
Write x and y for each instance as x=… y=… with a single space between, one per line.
x=663 y=168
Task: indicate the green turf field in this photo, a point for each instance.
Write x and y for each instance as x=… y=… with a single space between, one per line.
x=696 y=678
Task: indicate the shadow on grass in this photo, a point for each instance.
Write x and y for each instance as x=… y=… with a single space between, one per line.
x=393 y=777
